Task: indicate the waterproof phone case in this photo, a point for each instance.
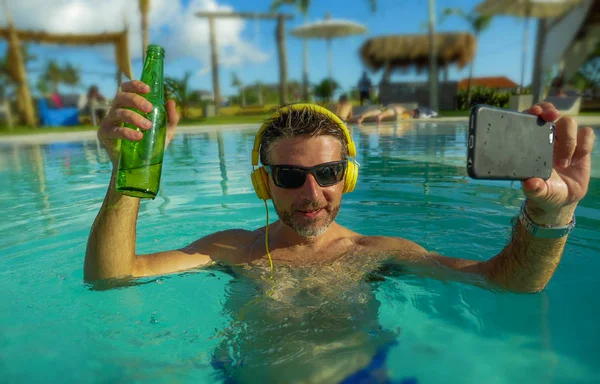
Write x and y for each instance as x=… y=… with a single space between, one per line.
x=508 y=145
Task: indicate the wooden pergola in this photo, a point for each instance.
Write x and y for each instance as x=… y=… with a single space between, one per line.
x=18 y=72
x=279 y=36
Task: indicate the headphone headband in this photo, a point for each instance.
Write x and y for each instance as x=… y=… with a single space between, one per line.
x=314 y=107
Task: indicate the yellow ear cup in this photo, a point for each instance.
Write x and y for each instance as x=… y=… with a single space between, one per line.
x=260 y=182
x=350 y=177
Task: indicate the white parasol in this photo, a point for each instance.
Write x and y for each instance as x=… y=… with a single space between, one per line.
x=329 y=29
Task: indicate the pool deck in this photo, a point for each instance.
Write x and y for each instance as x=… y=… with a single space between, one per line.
x=51 y=137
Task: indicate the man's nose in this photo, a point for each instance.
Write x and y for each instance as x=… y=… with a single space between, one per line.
x=311 y=189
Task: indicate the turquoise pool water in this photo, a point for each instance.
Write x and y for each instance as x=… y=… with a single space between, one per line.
x=412 y=183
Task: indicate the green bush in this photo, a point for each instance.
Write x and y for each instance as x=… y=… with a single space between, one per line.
x=482 y=95
x=251 y=111
x=325 y=89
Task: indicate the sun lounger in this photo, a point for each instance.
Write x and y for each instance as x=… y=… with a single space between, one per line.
x=55 y=116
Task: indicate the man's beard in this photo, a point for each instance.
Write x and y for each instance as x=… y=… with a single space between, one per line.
x=306 y=227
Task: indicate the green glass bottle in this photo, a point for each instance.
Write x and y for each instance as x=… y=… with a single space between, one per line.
x=140 y=162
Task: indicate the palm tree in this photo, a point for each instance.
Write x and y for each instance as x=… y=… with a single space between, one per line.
x=478 y=24
x=260 y=93
x=70 y=75
x=179 y=90
x=303 y=6
x=55 y=74
x=590 y=70
x=236 y=82
x=144 y=9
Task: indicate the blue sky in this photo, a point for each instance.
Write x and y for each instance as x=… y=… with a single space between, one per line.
x=250 y=50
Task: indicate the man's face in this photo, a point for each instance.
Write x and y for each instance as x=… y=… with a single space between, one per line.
x=309 y=209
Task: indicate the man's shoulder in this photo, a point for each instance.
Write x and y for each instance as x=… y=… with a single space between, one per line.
x=388 y=243
x=230 y=245
x=237 y=236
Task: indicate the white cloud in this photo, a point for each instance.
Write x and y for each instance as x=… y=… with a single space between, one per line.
x=190 y=35
x=177 y=28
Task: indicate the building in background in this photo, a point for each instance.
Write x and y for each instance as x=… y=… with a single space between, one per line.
x=499 y=83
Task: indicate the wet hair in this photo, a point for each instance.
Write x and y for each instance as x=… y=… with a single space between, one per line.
x=303 y=122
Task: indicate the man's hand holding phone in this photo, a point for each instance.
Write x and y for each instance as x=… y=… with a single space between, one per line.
x=553 y=201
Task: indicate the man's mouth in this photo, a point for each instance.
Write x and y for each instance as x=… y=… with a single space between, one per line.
x=311 y=213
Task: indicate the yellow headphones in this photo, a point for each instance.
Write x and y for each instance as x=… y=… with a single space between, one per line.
x=260 y=178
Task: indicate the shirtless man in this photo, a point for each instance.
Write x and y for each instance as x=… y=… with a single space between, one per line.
x=304 y=154
x=307 y=227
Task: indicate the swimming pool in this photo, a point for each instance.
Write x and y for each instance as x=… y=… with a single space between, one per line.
x=412 y=184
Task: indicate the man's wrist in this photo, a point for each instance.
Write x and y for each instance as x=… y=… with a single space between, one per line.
x=559 y=217
x=547 y=225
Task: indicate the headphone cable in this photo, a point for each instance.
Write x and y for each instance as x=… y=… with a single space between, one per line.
x=267 y=248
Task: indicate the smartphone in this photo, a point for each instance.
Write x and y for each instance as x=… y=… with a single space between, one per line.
x=508 y=145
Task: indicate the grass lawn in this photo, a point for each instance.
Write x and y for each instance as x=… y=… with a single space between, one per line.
x=452 y=113
x=215 y=120
x=25 y=130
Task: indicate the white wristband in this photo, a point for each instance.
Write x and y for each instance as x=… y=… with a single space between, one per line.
x=544 y=232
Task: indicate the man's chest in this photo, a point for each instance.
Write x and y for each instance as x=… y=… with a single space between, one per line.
x=302 y=256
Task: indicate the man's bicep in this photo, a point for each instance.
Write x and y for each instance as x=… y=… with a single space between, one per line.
x=168 y=262
x=228 y=246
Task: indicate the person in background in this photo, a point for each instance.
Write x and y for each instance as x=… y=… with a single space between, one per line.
x=364 y=87
x=96 y=104
x=343 y=109
x=94 y=94
x=393 y=112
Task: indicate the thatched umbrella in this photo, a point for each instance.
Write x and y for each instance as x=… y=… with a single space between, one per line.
x=405 y=51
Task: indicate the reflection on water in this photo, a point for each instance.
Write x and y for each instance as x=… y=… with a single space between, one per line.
x=222 y=164
x=381 y=148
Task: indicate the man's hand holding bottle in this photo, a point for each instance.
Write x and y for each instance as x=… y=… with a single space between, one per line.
x=111 y=129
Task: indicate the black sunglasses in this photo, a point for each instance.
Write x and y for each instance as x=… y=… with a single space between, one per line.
x=291 y=176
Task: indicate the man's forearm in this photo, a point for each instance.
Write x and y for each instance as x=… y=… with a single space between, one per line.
x=111 y=244
x=527 y=263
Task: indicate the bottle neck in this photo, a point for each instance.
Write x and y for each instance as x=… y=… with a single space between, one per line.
x=153 y=74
